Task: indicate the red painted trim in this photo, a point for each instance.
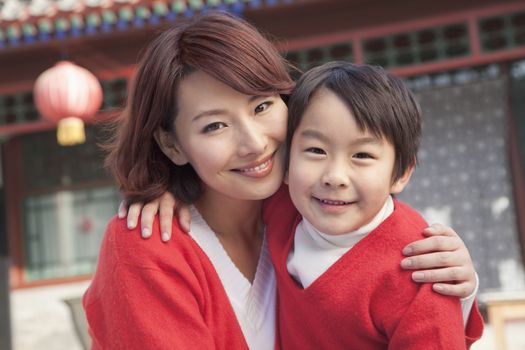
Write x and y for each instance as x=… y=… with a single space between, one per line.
x=473 y=33
x=13 y=188
x=359 y=57
x=469 y=61
x=104 y=74
x=53 y=281
x=13 y=88
x=121 y=72
x=407 y=26
x=26 y=128
x=43 y=125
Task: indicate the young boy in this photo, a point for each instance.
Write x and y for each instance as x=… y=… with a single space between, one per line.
x=353 y=136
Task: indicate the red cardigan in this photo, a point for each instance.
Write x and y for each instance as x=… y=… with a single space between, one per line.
x=365 y=300
x=154 y=295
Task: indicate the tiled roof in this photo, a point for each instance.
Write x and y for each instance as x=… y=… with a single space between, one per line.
x=25 y=22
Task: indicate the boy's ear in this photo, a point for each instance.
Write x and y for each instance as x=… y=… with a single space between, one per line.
x=170 y=147
x=400 y=183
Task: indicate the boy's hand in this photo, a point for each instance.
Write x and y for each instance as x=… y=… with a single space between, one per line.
x=441 y=257
x=165 y=205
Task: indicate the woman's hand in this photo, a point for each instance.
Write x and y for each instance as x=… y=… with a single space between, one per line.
x=165 y=205
x=441 y=257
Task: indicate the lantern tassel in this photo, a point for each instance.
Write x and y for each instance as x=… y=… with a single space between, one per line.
x=71 y=131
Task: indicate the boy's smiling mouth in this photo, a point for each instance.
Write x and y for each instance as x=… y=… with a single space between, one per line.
x=333 y=202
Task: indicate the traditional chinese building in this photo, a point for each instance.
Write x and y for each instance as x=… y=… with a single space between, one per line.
x=465 y=59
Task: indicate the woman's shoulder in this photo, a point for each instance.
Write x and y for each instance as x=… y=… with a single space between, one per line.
x=127 y=246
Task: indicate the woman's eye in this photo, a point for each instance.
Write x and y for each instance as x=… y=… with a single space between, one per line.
x=262 y=107
x=213 y=126
x=315 y=150
x=363 y=155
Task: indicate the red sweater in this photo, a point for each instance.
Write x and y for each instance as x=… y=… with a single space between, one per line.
x=154 y=295
x=365 y=300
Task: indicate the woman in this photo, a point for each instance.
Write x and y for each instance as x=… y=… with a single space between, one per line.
x=205 y=119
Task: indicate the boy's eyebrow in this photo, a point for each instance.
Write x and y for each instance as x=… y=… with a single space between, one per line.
x=314 y=134
x=367 y=139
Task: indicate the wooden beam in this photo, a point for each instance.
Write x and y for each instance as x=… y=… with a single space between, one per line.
x=5 y=314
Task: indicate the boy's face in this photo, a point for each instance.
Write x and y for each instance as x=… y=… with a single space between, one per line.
x=339 y=176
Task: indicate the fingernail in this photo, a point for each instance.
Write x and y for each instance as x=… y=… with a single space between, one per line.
x=438 y=287
x=418 y=276
x=431 y=229
x=146 y=232
x=165 y=237
x=408 y=250
x=406 y=263
x=121 y=214
x=131 y=224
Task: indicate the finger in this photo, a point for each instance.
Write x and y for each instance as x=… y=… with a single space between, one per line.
x=432 y=244
x=167 y=205
x=166 y=220
x=438 y=229
x=184 y=218
x=448 y=274
x=133 y=214
x=147 y=217
x=122 y=209
x=461 y=290
x=432 y=260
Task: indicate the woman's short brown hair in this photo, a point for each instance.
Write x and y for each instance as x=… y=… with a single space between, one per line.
x=380 y=102
x=221 y=45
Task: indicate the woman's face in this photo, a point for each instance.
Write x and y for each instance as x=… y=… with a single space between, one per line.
x=232 y=140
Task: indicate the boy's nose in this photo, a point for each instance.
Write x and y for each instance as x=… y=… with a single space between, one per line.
x=336 y=176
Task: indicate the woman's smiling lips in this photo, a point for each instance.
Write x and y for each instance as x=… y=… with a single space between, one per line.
x=257 y=169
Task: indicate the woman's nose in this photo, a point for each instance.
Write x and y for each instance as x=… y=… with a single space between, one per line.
x=253 y=140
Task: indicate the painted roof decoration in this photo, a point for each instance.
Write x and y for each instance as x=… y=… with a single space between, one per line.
x=25 y=22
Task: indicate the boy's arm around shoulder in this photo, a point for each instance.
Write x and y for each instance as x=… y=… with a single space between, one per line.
x=429 y=321
x=145 y=295
x=420 y=318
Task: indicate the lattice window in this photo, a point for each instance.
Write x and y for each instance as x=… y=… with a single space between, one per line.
x=63 y=231
x=309 y=58
x=423 y=46
x=17 y=108
x=115 y=93
x=20 y=108
x=48 y=166
x=502 y=32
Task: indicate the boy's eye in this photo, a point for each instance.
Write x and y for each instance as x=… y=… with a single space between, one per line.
x=213 y=126
x=262 y=107
x=315 y=150
x=363 y=155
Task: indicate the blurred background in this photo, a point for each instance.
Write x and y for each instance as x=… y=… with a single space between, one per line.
x=464 y=59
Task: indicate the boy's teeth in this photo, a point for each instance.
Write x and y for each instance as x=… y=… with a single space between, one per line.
x=325 y=201
x=257 y=168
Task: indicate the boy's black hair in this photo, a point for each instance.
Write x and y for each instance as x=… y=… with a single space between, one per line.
x=380 y=102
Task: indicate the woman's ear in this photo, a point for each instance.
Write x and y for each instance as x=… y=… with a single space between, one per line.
x=170 y=147
x=401 y=183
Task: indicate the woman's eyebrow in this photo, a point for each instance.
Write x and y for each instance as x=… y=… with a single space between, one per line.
x=208 y=113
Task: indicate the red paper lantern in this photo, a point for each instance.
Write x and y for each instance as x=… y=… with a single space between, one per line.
x=68 y=94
